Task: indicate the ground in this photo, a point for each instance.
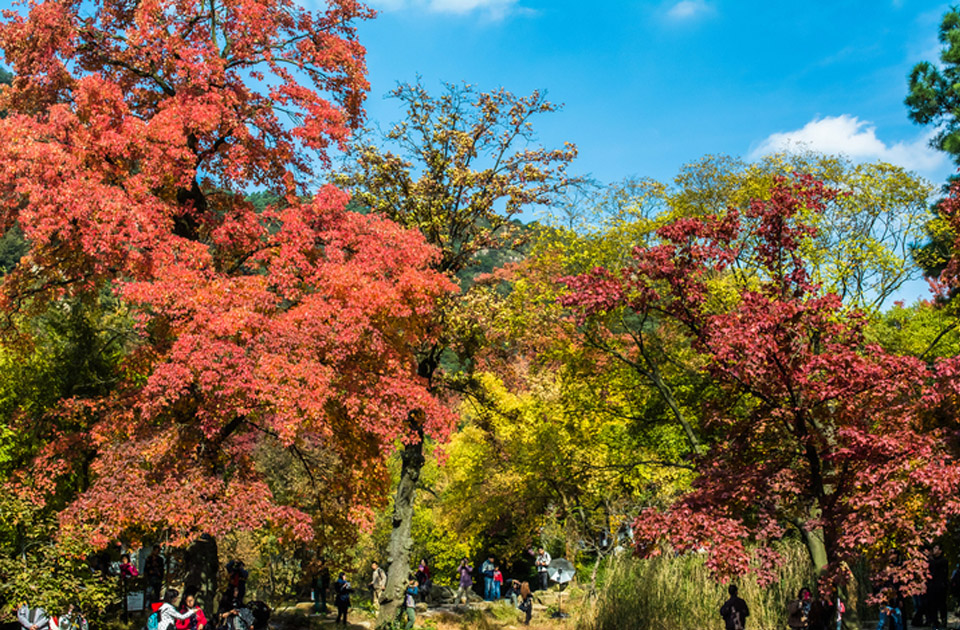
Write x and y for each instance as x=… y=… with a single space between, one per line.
x=477 y=614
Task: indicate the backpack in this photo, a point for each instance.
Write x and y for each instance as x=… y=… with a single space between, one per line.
x=731 y=615
x=153 y=619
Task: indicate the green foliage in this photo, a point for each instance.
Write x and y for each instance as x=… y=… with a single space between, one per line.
x=13 y=247
x=71 y=351
x=934 y=92
x=677 y=593
x=39 y=566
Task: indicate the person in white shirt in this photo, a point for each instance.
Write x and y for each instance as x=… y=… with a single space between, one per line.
x=168 y=611
x=32 y=618
x=543 y=561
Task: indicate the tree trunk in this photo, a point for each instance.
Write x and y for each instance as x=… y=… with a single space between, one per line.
x=202 y=566
x=401 y=537
x=817 y=548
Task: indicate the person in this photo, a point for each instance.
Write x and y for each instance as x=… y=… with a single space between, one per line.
x=378 y=583
x=127 y=570
x=526 y=603
x=410 y=601
x=938 y=587
x=32 y=618
x=73 y=619
x=497 y=583
x=891 y=617
x=198 y=620
x=798 y=611
x=823 y=612
x=321 y=584
x=237 y=576
x=514 y=593
x=342 y=590
x=229 y=608
x=423 y=579
x=734 y=611
x=169 y=615
x=465 y=571
x=543 y=564
x=153 y=568
x=486 y=569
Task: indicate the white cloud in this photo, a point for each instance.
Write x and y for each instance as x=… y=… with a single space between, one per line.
x=689 y=9
x=494 y=8
x=855 y=138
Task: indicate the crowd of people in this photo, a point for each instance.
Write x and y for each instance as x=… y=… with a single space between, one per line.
x=419 y=587
x=825 y=610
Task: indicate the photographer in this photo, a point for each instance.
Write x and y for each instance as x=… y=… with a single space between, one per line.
x=891 y=618
x=410 y=600
x=465 y=573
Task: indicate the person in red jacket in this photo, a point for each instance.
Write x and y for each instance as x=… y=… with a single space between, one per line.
x=196 y=622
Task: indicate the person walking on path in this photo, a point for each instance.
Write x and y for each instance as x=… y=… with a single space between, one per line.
x=465 y=571
x=321 y=584
x=410 y=601
x=938 y=586
x=798 y=611
x=734 y=611
x=32 y=618
x=153 y=568
x=526 y=603
x=487 y=570
x=543 y=564
x=378 y=582
x=342 y=590
x=169 y=615
x=497 y=583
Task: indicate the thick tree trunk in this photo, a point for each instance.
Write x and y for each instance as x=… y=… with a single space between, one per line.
x=401 y=538
x=202 y=566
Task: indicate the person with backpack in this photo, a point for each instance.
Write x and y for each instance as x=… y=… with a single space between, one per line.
x=378 y=583
x=342 y=590
x=166 y=614
x=410 y=601
x=486 y=569
x=198 y=620
x=526 y=603
x=734 y=611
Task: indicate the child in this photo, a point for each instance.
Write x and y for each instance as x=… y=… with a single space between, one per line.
x=497 y=583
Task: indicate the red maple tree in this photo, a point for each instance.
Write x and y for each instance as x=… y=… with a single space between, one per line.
x=133 y=131
x=810 y=428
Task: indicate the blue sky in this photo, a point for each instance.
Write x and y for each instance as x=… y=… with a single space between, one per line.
x=651 y=85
